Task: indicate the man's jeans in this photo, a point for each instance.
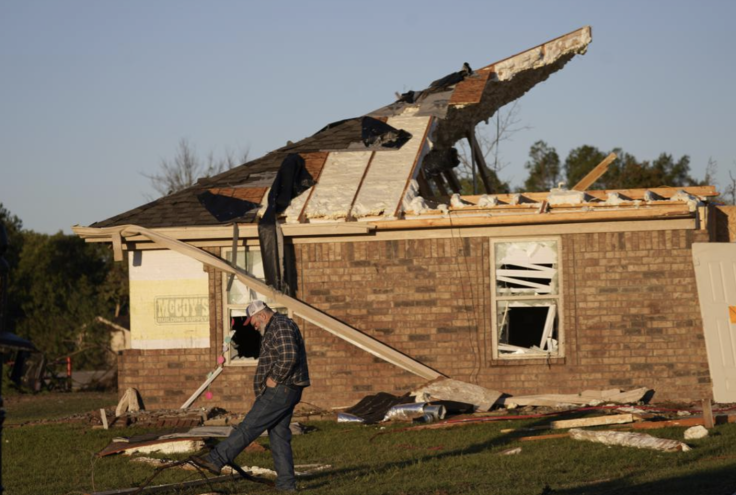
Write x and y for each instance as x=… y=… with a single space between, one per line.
x=272 y=411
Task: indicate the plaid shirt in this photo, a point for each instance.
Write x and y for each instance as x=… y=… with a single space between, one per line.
x=282 y=356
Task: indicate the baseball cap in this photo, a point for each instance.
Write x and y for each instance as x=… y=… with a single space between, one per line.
x=252 y=309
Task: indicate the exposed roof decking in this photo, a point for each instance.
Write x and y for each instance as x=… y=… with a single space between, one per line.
x=465 y=104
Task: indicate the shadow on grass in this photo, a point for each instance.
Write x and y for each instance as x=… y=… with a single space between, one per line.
x=716 y=480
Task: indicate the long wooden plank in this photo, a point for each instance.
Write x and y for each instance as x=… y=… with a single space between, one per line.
x=633 y=194
x=312 y=315
x=615 y=419
x=480 y=161
x=444 y=233
x=595 y=174
x=575 y=217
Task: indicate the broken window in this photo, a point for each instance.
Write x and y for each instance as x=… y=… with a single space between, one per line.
x=526 y=298
x=243 y=342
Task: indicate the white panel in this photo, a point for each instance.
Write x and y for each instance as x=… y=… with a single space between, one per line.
x=337 y=185
x=169 y=301
x=389 y=172
x=716 y=278
x=164 y=265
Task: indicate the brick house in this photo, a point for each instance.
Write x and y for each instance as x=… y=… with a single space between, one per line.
x=553 y=292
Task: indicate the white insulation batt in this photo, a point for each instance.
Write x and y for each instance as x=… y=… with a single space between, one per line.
x=543 y=55
x=390 y=170
x=338 y=183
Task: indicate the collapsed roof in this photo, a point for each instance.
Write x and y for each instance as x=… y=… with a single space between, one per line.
x=365 y=167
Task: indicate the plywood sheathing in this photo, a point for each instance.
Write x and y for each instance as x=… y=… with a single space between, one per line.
x=505 y=81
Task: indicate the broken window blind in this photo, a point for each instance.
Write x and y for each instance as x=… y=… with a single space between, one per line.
x=526 y=298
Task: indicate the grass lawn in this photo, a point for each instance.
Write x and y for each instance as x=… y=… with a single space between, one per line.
x=59 y=459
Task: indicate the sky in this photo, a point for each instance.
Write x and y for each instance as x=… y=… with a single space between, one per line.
x=94 y=94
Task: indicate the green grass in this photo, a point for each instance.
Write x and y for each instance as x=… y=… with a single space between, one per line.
x=59 y=459
x=20 y=408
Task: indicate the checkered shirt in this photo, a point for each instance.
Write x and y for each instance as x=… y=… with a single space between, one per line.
x=282 y=356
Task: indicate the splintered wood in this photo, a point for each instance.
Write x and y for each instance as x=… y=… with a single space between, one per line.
x=626 y=439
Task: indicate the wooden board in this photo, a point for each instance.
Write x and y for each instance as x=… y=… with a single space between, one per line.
x=594 y=174
x=633 y=194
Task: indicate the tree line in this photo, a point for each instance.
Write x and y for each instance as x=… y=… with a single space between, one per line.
x=59 y=285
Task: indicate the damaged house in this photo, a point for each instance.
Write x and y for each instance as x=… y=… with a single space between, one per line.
x=359 y=233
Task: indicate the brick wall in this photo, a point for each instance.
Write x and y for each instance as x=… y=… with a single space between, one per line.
x=631 y=318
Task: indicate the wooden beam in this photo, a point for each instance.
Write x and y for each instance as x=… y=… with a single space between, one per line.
x=532 y=218
x=424 y=188
x=452 y=180
x=302 y=309
x=562 y=424
x=360 y=184
x=596 y=421
x=480 y=161
x=633 y=194
x=440 y=183
x=708 y=413
x=246 y=231
x=595 y=174
x=543 y=437
x=467 y=232
x=416 y=167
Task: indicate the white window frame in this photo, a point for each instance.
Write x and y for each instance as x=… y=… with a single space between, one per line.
x=558 y=298
x=227 y=307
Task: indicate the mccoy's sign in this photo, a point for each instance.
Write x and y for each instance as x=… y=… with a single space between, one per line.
x=182 y=309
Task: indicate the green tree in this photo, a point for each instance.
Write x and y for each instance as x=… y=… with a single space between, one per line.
x=627 y=172
x=13 y=227
x=60 y=285
x=543 y=167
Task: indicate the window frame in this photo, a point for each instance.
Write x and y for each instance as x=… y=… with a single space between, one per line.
x=227 y=307
x=495 y=299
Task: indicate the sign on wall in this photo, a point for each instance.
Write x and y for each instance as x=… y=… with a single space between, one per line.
x=169 y=303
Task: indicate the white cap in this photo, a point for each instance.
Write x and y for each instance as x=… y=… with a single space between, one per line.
x=254 y=308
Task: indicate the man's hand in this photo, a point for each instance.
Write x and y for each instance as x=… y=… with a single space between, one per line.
x=270 y=382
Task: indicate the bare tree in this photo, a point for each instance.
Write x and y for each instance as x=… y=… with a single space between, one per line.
x=731 y=189
x=501 y=127
x=186 y=168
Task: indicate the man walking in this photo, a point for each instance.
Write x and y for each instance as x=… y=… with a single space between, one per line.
x=281 y=375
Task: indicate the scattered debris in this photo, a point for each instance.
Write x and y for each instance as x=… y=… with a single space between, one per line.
x=300 y=469
x=627 y=439
x=513 y=451
x=696 y=433
x=580 y=423
x=418 y=410
x=130 y=401
x=454 y=390
x=587 y=397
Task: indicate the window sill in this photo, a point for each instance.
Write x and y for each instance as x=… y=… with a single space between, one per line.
x=242 y=362
x=521 y=361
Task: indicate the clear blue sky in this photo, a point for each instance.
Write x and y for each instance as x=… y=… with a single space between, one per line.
x=93 y=93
